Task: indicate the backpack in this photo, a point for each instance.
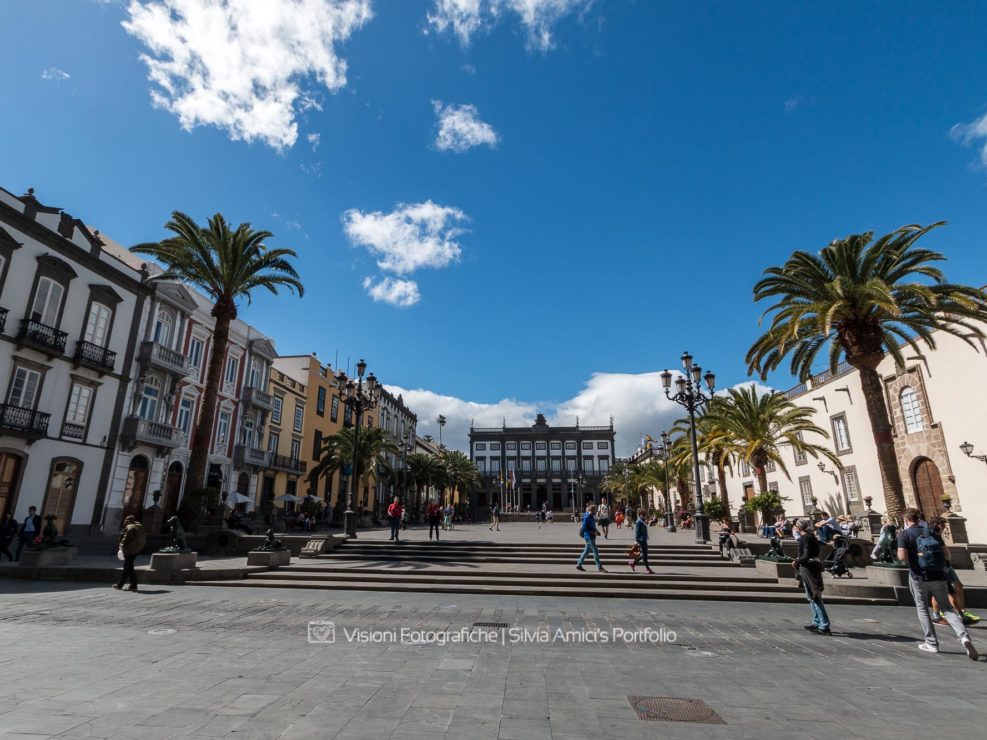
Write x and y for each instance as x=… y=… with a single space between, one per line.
x=930 y=553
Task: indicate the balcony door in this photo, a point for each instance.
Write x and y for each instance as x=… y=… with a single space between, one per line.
x=47 y=302
x=97 y=325
x=10 y=476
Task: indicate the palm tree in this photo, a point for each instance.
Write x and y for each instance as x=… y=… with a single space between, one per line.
x=756 y=428
x=715 y=446
x=374 y=446
x=649 y=476
x=618 y=481
x=425 y=470
x=863 y=298
x=227 y=265
x=460 y=471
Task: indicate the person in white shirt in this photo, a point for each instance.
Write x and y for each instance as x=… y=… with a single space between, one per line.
x=603 y=517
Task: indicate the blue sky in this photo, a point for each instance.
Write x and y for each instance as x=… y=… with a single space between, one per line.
x=625 y=172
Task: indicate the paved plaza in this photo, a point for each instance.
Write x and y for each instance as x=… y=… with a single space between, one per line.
x=85 y=661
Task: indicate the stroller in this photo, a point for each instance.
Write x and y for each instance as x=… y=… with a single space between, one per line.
x=838 y=560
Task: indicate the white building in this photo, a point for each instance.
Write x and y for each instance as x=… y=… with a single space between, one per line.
x=937 y=402
x=69 y=311
x=401 y=425
x=168 y=375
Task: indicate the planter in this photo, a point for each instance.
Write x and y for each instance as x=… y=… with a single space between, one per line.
x=774 y=568
x=269 y=558
x=892 y=576
x=170 y=562
x=47 y=556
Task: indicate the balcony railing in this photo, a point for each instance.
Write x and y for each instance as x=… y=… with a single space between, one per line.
x=3 y=319
x=161 y=357
x=73 y=431
x=23 y=422
x=246 y=455
x=94 y=356
x=143 y=431
x=258 y=398
x=46 y=338
x=288 y=464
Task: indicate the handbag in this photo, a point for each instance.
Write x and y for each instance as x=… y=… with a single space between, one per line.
x=634 y=550
x=120 y=555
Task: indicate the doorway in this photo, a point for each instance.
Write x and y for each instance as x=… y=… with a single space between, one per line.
x=173 y=490
x=60 y=495
x=136 y=488
x=10 y=476
x=928 y=488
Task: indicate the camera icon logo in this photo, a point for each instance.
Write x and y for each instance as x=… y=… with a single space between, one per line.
x=321 y=632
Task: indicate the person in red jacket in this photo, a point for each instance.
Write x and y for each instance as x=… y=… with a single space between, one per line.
x=394 y=511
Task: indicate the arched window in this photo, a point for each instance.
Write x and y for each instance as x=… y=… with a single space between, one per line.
x=149 y=399
x=911 y=411
x=163 y=328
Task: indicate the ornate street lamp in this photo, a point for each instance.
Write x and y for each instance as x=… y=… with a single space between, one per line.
x=666 y=443
x=689 y=393
x=359 y=398
x=967 y=449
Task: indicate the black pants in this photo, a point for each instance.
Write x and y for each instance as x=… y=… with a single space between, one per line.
x=395 y=526
x=433 y=523
x=643 y=556
x=128 y=571
x=5 y=549
x=22 y=540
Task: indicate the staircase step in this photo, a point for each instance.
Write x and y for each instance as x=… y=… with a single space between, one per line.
x=790 y=596
x=623 y=575
x=568 y=559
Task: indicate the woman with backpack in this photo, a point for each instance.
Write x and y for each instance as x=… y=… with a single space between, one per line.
x=588 y=531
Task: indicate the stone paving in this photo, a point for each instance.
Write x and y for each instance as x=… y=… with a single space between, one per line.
x=85 y=661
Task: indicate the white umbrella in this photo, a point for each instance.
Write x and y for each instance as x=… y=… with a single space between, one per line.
x=284 y=497
x=234 y=498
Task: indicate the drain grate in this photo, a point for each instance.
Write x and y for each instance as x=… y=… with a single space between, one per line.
x=673 y=709
x=492 y=625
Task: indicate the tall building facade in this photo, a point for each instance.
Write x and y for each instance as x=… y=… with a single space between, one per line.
x=69 y=319
x=401 y=425
x=560 y=467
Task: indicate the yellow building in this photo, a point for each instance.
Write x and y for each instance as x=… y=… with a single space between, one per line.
x=323 y=416
x=287 y=461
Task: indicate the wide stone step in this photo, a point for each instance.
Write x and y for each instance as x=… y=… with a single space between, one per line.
x=311 y=567
x=569 y=558
x=792 y=596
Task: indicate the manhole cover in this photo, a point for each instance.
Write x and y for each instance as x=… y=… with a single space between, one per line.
x=161 y=631
x=672 y=709
x=492 y=625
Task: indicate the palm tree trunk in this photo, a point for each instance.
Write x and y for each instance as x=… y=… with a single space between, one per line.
x=724 y=497
x=207 y=411
x=887 y=458
x=762 y=477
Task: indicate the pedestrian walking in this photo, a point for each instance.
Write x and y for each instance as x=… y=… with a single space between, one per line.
x=8 y=530
x=604 y=517
x=588 y=531
x=630 y=516
x=641 y=541
x=495 y=517
x=132 y=541
x=30 y=529
x=549 y=517
x=433 y=514
x=448 y=517
x=954 y=586
x=394 y=511
x=808 y=570
x=926 y=554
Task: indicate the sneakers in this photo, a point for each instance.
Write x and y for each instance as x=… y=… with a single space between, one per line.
x=631 y=563
x=134 y=588
x=967 y=615
x=579 y=567
x=818 y=630
x=117 y=586
x=971 y=651
x=602 y=569
x=651 y=571
x=931 y=648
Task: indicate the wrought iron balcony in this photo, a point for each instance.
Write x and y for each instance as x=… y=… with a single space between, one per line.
x=138 y=431
x=246 y=455
x=73 y=431
x=21 y=422
x=160 y=357
x=42 y=337
x=94 y=356
x=3 y=319
x=257 y=398
x=288 y=464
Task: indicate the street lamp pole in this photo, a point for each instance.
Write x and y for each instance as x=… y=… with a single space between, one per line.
x=669 y=514
x=689 y=393
x=359 y=399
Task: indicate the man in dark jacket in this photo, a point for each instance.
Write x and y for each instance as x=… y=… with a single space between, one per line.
x=641 y=538
x=30 y=528
x=132 y=541
x=808 y=569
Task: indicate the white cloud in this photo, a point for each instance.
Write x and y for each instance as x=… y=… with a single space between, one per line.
x=636 y=402
x=314 y=140
x=408 y=238
x=460 y=128
x=537 y=17
x=56 y=74
x=791 y=104
x=973 y=133
x=398 y=292
x=242 y=65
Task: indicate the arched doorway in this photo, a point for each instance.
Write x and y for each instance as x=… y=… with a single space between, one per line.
x=928 y=488
x=136 y=489
x=173 y=490
x=60 y=495
x=10 y=477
